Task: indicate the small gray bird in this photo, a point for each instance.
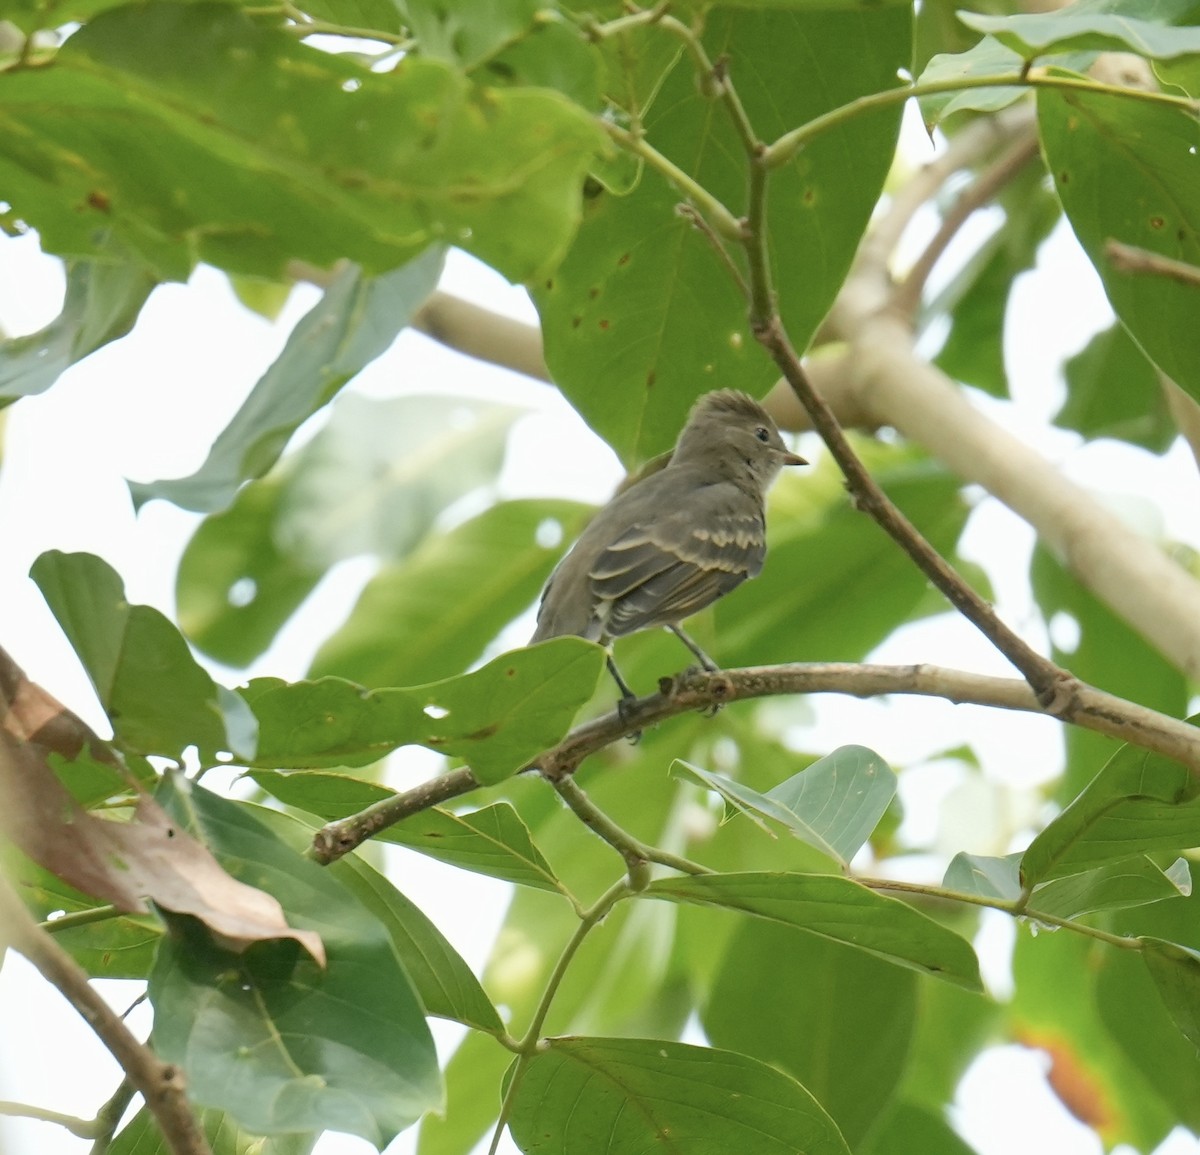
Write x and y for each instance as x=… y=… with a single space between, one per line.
x=675 y=541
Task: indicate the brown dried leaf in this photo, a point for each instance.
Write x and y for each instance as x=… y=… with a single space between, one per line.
x=125 y=863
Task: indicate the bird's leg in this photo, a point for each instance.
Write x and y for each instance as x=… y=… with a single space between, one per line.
x=701 y=656
x=705 y=661
x=628 y=697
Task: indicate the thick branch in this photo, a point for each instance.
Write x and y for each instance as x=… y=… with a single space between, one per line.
x=1090 y=708
x=899 y=388
x=161 y=1084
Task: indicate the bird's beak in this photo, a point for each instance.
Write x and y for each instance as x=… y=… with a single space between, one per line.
x=793 y=459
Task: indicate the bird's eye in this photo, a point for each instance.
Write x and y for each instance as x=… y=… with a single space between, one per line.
x=762 y=434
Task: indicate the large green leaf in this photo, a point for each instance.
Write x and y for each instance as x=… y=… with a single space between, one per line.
x=355 y=321
x=1144 y=158
x=285 y=152
x=1175 y=970
x=432 y=615
x=1134 y=881
x=496 y=718
x=113 y=947
x=102 y=303
x=1056 y=1007
x=442 y=980
x=1140 y=26
x=141 y=1136
x=835 y=1019
x=268 y=1036
x=1114 y=391
x=492 y=840
x=156 y=696
x=907 y=1129
x=643 y=316
x=838 y=909
x=374 y=480
x=465 y=33
x=1139 y=802
x=635 y=1092
x=1138 y=1015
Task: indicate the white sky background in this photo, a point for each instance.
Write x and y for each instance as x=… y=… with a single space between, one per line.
x=150 y=405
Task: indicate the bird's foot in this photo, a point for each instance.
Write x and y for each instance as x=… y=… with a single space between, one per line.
x=625 y=709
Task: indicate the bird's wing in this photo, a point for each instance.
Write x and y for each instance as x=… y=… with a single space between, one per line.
x=676 y=565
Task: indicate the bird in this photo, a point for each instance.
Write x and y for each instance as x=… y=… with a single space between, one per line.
x=675 y=541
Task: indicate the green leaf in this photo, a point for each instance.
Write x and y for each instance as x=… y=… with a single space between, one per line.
x=374 y=480
x=496 y=718
x=551 y=54
x=432 y=615
x=1137 y=1019
x=843 y=795
x=986 y=876
x=1175 y=970
x=463 y=33
x=355 y=321
x=1139 y=802
x=1056 y=1006
x=635 y=1091
x=1114 y=391
x=492 y=840
x=839 y=1021
x=1139 y=26
x=833 y=804
x=1144 y=157
x=442 y=980
x=642 y=295
x=1129 y=882
x=103 y=300
x=141 y=1136
x=987 y=58
x=908 y=1129
x=158 y=699
x=237 y=581
x=860 y=587
x=286 y=152
x=116 y=947
x=838 y=909
x=269 y=1037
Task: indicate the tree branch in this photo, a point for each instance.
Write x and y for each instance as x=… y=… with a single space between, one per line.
x=1091 y=709
x=161 y=1084
x=907 y=295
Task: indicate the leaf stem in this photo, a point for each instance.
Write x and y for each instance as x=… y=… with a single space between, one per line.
x=721 y=219
x=528 y=1044
x=1016 y=907
x=786 y=147
x=79 y=918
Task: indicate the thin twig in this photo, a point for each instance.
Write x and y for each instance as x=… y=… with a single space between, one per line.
x=1131 y=259
x=907 y=296
x=161 y=1084
x=1055 y=688
x=788 y=145
x=108 y=1118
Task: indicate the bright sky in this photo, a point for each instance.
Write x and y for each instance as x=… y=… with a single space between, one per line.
x=150 y=405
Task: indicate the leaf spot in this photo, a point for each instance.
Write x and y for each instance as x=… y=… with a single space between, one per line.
x=435 y=711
